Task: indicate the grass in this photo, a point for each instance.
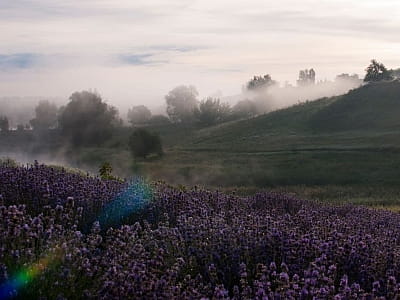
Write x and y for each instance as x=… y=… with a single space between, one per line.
x=332 y=149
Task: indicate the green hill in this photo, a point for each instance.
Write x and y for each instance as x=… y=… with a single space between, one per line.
x=372 y=107
x=372 y=110
x=353 y=139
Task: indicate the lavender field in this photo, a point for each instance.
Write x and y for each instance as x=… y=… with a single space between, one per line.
x=65 y=235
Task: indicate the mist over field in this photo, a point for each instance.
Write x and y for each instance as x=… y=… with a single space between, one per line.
x=284 y=95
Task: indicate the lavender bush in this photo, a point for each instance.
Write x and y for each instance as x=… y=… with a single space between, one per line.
x=177 y=244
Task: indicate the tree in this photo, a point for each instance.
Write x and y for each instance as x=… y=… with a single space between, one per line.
x=181 y=102
x=105 y=171
x=376 y=72
x=20 y=127
x=159 y=120
x=139 y=114
x=244 y=109
x=260 y=82
x=4 y=124
x=211 y=111
x=86 y=119
x=142 y=143
x=347 y=77
x=395 y=73
x=306 y=77
x=45 y=116
x=8 y=162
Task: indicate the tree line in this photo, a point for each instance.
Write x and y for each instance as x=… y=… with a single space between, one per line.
x=88 y=120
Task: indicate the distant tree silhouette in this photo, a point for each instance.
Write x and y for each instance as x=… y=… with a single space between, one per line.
x=20 y=127
x=4 y=124
x=306 y=77
x=159 y=120
x=139 y=114
x=87 y=119
x=260 y=82
x=395 y=73
x=376 y=72
x=181 y=102
x=142 y=143
x=45 y=116
x=212 y=111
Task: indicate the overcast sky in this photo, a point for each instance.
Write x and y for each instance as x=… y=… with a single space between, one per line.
x=134 y=52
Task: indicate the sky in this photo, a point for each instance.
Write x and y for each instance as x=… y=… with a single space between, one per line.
x=134 y=52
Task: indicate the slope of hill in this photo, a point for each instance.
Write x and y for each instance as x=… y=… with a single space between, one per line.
x=372 y=110
x=373 y=107
x=348 y=139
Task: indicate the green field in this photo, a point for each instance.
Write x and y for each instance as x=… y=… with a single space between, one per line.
x=340 y=149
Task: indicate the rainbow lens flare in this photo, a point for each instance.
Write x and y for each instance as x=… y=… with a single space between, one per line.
x=10 y=288
x=133 y=198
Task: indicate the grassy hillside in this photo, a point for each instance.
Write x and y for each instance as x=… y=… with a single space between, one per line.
x=373 y=107
x=371 y=111
x=349 y=140
x=352 y=139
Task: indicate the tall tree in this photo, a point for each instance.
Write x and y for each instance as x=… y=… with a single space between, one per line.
x=139 y=114
x=260 y=82
x=181 y=103
x=306 y=77
x=86 y=119
x=45 y=116
x=142 y=143
x=212 y=111
x=4 y=124
x=377 y=72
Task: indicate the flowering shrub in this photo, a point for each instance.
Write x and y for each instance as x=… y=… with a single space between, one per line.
x=185 y=244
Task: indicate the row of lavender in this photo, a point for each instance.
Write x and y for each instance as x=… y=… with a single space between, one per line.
x=189 y=244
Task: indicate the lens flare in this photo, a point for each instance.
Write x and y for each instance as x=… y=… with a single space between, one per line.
x=134 y=197
x=10 y=288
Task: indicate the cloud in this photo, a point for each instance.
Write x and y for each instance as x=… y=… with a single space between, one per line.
x=19 y=61
x=176 y=48
x=211 y=44
x=308 y=22
x=52 y=9
x=156 y=54
x=140 y=59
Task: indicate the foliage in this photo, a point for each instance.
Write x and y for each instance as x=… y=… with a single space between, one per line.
x=139 y=114
x=87 y=119
x=168 y=243
x=260 y=82
x=181 y=102
x=20 y=127
x=395 y=73
x=377 y=72
x=159 y=120
x=347 y=77
x=8 y=162
x=306 y=77
x=211 y=111
x=142 y=143
x=45 y=116
x=105 y=170
x=4 y=124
